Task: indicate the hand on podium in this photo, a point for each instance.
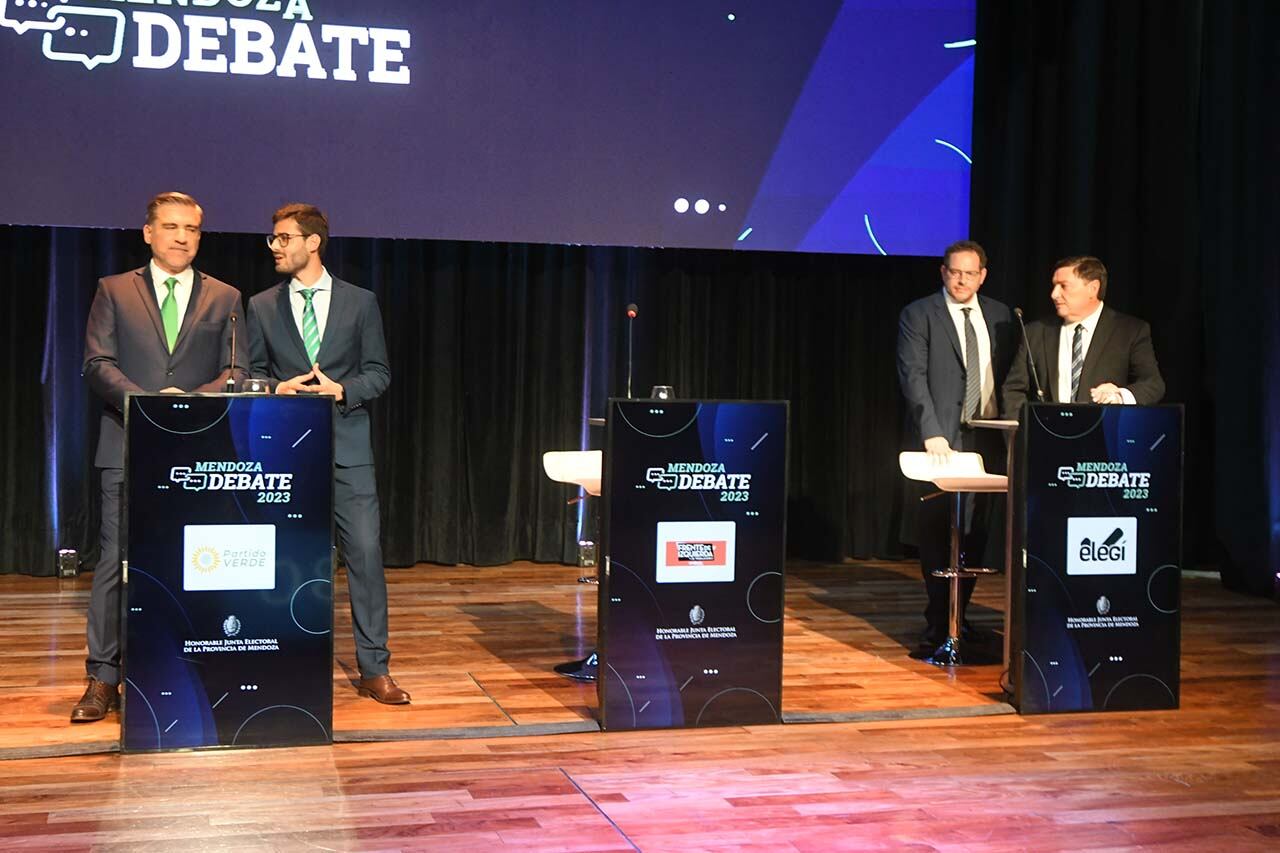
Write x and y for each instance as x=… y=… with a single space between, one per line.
x=1107 y=392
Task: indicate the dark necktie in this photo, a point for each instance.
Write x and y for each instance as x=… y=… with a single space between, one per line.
x=1077 y=360
x=972 y=369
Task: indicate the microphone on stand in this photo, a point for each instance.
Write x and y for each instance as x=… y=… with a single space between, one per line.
x=231 y=377
x=632 y=312
x=1035 y=376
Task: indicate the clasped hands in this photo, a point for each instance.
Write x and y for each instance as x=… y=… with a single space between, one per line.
x=321 y=384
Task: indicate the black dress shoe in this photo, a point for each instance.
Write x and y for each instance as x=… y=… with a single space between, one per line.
x=932 y=638
x=99 y=698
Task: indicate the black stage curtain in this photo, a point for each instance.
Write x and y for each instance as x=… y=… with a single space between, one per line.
x=1136 y=132
x=1117 y=129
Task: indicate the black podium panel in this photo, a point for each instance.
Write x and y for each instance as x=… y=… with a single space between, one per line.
x=691 y=593
x=229 y=571
x=1096 y=604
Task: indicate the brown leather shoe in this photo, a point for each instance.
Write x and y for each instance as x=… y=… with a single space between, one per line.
x=383 y=688
x=99 y=698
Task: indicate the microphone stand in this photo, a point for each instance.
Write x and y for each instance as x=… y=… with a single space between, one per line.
x=231 y=375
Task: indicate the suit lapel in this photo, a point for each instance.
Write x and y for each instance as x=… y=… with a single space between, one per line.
x=147 y=296
x=942 y=315
x=337 y=311
x=1097 y=346
x=1049 y=354
x=284 y=316
x=193 y=310
x=988 y=317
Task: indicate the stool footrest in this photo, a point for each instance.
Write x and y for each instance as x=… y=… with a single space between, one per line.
x=965 y=572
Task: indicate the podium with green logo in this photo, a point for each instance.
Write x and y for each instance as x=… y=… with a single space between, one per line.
x=1096 y=595
x=227 y=559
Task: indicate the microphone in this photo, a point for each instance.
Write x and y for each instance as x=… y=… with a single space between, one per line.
x=231 y=376
x=1031 y=360
x=632 y=313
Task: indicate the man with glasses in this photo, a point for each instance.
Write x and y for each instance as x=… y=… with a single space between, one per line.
x=954 y=349
x=164 y=327
x=313 y=333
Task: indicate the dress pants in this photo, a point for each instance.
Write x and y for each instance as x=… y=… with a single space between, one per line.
x=103 y=629
x=355 y=511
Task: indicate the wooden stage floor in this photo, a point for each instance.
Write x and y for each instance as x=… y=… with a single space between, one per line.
x=475 y=647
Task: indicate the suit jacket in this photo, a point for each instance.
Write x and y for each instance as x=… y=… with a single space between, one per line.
x=931 y=365
x=352 y=353
x=932 y=375
x=125 y=348
x=1120 y=352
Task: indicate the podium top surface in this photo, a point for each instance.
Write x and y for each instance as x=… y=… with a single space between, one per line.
x=994 y=423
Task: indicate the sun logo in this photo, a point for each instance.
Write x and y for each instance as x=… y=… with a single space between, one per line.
x=205 y=559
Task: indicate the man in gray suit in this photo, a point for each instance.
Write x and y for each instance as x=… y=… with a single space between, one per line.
x=954 y=349
x=314 y=333
x=164 y=327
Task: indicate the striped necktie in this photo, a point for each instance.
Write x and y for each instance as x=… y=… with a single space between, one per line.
x=169 y=313
x=310 y=328
x=972 y=370
x=1077 y=360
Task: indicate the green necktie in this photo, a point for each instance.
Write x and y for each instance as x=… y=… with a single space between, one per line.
x=310 y=329
x=169 y=313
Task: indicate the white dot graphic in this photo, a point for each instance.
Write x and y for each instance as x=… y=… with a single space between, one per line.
x=723 y=208
x=682 y=205
x=702 y=205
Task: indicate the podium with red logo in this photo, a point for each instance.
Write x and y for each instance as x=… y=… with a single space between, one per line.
x=1096 y=593
x=691 y=586
x=227 y=562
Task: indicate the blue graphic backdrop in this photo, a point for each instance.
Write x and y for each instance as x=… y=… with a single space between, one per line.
x=764 y=124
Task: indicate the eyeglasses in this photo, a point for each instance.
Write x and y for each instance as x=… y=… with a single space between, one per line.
x=282 y=239
x=967 y=275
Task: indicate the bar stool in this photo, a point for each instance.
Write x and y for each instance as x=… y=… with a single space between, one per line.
x=579 y=468
x=961 y=473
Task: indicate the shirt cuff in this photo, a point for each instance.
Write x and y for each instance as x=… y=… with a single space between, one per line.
x=1127 y=396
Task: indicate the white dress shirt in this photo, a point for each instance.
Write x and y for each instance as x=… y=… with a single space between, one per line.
x=319 y=302
x=1065 y=336
x=987 y=409
x=181 y=290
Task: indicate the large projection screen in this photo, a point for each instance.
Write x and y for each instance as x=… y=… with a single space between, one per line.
x=802 y=126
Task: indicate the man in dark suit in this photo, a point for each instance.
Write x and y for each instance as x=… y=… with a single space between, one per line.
x=164 y=327
x=313 y=333
x=1092 y=354
x=954 y=349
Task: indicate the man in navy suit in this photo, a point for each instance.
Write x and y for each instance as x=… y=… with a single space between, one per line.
x=314 y=333
x=1091 y=353
x=164 y=327
x=954 y=349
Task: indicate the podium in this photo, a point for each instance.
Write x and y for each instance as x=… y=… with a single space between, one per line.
x=227 y=563
x=1097 y=589
x=691 y=588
